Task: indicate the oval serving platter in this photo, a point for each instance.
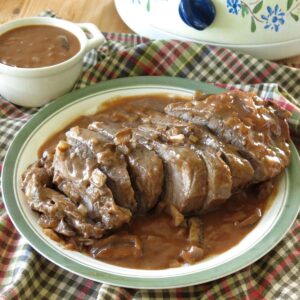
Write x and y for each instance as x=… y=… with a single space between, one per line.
x=270 y=230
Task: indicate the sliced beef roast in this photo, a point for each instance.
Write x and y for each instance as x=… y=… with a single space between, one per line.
x=193 y=156
x=219 y=181
x=78 y=176
x=176 y=130
x=185 y=183
x=36 y=185
x=112 y=164
x=145 y=166
x=245 y=121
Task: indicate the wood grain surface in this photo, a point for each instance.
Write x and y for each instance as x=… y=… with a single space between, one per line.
x=100 y=12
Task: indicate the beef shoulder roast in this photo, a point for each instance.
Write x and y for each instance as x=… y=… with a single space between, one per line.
x=77 y=174
x=54 y=206
x=198 y=137
x=112 y=164
x=258 y=129
x=190 y=156
x=145 y=166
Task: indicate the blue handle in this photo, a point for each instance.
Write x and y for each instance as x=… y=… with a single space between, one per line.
x=198 y=14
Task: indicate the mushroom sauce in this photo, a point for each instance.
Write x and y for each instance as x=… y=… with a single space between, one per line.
x=37 y=46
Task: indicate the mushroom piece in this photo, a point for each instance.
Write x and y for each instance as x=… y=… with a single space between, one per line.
x=117 y=247
x=192 y=255
x=196 y=232
x=251 y=220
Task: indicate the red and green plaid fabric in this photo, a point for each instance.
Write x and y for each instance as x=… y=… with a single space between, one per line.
x=24 y=274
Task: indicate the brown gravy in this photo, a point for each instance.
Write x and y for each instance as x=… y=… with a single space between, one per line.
x=163 y=242
x=113 y=110
x=37 y=46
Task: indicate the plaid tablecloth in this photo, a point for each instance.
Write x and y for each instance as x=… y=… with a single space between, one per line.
x=24 y=274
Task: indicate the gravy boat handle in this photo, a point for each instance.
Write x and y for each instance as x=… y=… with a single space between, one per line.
x=96 y=39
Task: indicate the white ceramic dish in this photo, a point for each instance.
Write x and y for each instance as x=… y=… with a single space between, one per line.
x=32 y=87
x=266 y=29
x=23 y=151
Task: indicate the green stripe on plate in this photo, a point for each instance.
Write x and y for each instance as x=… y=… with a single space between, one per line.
x=9 y=182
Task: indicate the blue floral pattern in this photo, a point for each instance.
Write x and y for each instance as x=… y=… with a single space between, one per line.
x=274 y=19
x=234 y=6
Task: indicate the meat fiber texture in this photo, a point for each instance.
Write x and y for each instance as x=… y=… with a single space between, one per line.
x=193 y=156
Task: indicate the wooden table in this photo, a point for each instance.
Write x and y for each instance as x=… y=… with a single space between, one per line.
x=100 y=12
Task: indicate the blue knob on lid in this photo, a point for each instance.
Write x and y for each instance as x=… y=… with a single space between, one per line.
x=198 y=14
